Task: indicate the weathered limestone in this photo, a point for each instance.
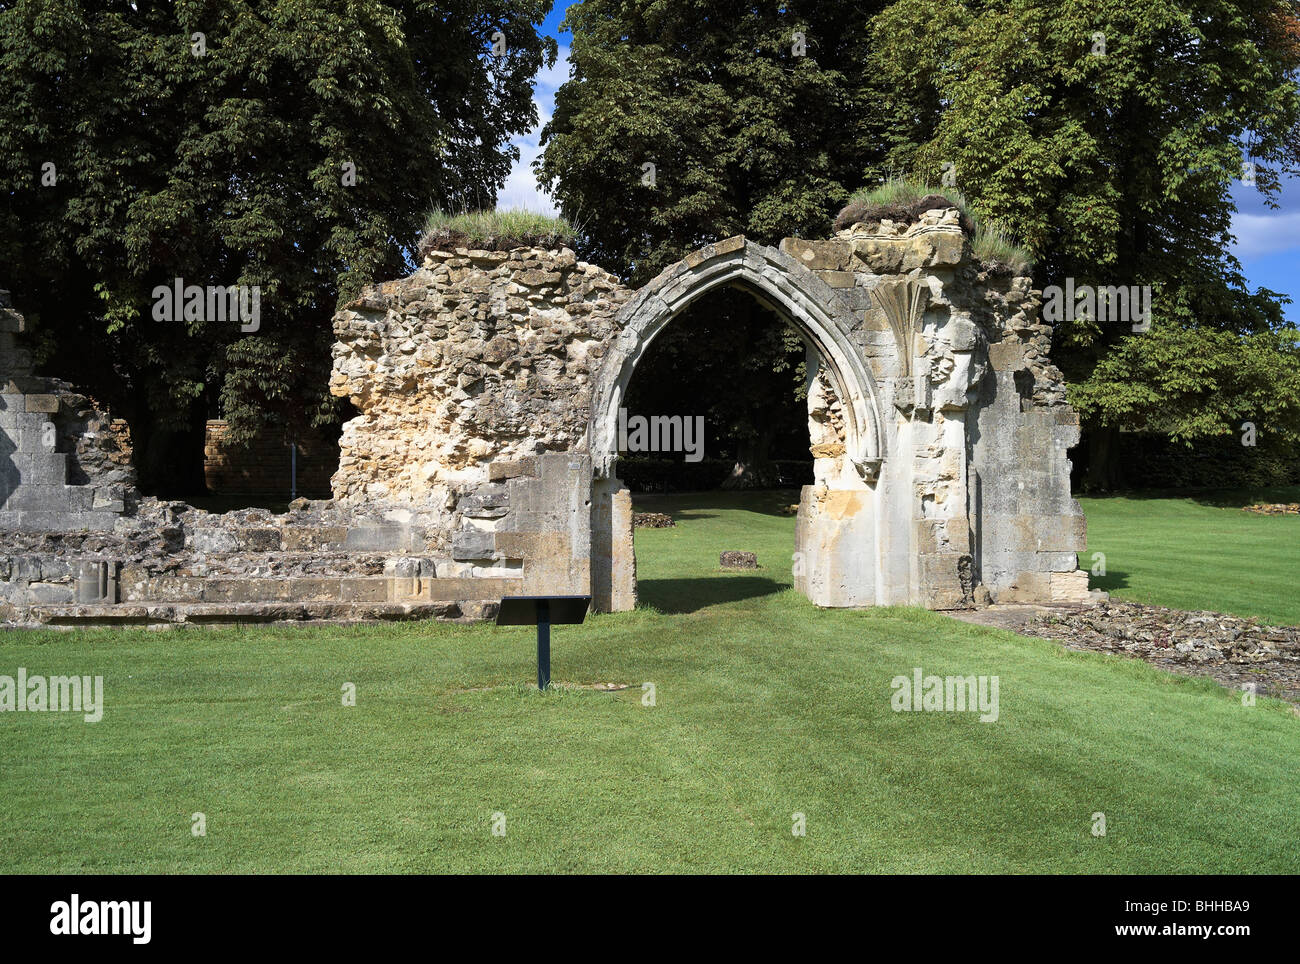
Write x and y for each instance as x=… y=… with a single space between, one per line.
x=478 y=357
x=973 y=465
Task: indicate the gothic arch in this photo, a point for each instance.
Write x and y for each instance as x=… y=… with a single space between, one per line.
x=782 y=284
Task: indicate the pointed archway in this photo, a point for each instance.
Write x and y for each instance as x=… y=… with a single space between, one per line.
x=837 y=550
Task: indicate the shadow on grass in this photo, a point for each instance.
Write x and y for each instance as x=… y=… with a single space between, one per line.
x=675 y=596
x=696 y=505
x=1114 y=579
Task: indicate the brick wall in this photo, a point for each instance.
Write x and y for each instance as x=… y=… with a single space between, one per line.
x=263 y=469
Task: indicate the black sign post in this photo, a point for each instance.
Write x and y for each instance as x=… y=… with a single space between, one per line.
x=542 y=611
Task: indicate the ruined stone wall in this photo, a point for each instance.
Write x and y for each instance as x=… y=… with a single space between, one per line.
x=1028 y=527
x=479 y=356
x=459 y=481
x=481 y=461
x=973 y=501
x=65 y=464
x=473 y=381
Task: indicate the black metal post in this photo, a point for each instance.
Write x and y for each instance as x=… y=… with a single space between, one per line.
x=543 y=644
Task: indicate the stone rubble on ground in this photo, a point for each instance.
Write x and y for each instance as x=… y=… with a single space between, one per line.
x=1231 y=649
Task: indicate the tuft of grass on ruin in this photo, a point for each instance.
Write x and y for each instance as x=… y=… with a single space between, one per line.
x=994 y=246
x=899 y=199
x=494 y=230
x=902 y=191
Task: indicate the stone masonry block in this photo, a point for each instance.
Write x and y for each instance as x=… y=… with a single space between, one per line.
x=1006 y=356
x=43 y=468
x=308 y=589
x=838 y=279
x=363 y=589
x=212 y=540
x=879 y=255
x=258 y=539
x=473 y=544
x=938 y=572
x=1064 y=533
x=302 y=538
x=500 y=471
x=48 y=404
x=711 y=251
x=377 y=538
x=43 y=497
x=1070 y=588
x=454 y=590
x=819 y=255
x=16 y=362
x=1057 y=561
x=51 y=594
x=11 y=322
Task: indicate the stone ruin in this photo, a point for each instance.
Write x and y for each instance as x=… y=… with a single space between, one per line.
x=483 y=461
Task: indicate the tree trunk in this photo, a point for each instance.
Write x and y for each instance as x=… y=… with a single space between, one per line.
x=753 y=468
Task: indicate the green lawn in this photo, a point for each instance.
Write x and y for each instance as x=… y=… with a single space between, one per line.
x=1199 y=552
x=766 y=706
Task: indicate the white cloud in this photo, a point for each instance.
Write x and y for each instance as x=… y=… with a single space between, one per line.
x=521 y=189
x=550 y=78
x=1260 y=234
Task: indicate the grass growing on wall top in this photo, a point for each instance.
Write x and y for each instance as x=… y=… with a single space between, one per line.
x=495 y=229
x=897 y=198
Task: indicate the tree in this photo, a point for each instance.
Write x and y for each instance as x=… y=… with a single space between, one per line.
x=1107 y=135
x=692 y=121
x=290 y=145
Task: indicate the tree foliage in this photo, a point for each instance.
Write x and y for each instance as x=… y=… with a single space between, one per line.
x=222 y=160
x=752 y=115
x=1108 y=135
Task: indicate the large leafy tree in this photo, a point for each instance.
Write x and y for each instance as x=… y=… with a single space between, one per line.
x=756 y=121
x=1108 y=135
x=225 y=159
x=754 y=118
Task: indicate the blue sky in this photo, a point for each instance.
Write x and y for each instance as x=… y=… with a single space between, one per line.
x=1268 y=239
x=521 y=190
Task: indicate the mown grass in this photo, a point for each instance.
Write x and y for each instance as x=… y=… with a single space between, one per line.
x=765 y=706
x=1198 y=551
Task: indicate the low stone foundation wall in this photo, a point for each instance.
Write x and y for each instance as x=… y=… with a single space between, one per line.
x=525 y=533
